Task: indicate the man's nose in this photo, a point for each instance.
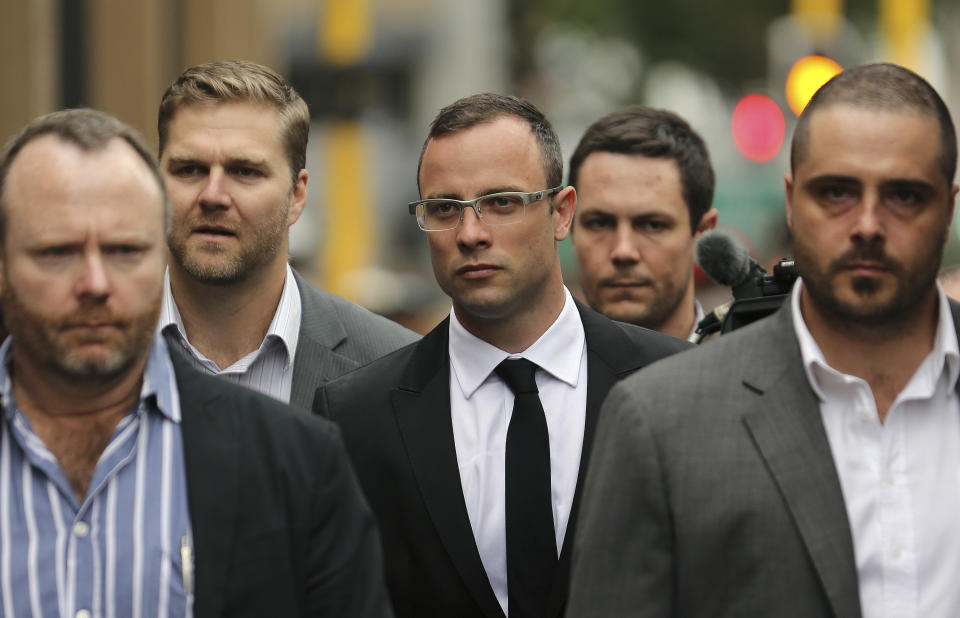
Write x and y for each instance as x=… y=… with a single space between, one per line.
x=214 y=193
x=624 y=249
x=472 y=231
x=94 y=279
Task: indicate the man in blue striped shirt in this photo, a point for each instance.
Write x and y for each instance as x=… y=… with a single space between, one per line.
x=130 y=485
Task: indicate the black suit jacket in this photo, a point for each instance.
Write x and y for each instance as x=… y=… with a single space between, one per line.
x=280 y=527
x=395 y=419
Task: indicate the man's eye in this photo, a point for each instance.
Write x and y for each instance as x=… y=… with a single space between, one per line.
x=906 y=196
x=246 y=172
x=56 y=252
x=652 y=225
x=188 y=170
x=836 y=193
x=506 y=201
x=123 y=250
x=442 y=209
x=598 y=223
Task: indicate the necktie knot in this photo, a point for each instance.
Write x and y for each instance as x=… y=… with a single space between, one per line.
x=518 y=373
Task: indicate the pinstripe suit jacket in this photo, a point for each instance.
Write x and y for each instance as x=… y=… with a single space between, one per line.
x=713 y=490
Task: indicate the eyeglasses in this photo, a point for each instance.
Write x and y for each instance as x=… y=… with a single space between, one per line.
x=435 y=215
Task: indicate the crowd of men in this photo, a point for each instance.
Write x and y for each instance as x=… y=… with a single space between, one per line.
x=190 y=428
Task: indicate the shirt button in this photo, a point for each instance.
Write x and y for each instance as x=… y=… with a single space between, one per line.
x=896 y=553
x=83 y=614
x=81 y=529
x=864 y=415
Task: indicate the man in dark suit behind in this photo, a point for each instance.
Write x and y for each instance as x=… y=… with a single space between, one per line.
x=476 y=489
x=806 y=465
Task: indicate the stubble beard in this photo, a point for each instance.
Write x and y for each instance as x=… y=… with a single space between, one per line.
x=49 y=347
x=211 y=264
x=665 y=302
x=912 y=287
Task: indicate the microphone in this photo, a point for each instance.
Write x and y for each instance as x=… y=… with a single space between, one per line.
x=727 y=261
x=756 y=294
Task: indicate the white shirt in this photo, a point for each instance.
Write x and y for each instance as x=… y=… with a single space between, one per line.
x=268 y=369
x=901 y=479
x=698 y=315
x=481 y=405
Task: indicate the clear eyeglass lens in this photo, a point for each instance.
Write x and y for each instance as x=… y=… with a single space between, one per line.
x=501 y=208
x=438 y=215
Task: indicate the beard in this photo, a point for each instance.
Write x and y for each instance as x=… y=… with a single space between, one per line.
x=872 y=303
x=665 y=302
x=58 y=347
x=212 y=263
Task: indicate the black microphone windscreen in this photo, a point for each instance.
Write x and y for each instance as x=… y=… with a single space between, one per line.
x=723 y=257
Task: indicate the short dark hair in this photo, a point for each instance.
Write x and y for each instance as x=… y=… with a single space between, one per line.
x=655 y=133
x=483 y=108
x=882 y=87
x=87 y=129
x=245 y=82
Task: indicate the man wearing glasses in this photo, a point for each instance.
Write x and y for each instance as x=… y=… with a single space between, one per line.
x=470 y=444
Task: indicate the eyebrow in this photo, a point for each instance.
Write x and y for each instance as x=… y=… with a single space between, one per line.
x=831 y=178
x=484 y=193
x=914 y=183
x=231 y=162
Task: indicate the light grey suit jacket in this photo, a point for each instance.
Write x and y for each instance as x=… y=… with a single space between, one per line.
x=337 y=336
x=712 y=490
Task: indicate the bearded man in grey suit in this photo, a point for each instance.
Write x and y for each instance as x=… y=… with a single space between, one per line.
x=805 y=465
x=233 y=148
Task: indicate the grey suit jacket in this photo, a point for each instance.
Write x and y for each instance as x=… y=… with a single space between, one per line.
x=337 y=336
x=713 y=491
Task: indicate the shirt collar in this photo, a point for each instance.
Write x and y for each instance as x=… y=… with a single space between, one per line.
x=698 y=315
x=159 y=380
x=284 y=327
x=945 y=353
x=558 y=351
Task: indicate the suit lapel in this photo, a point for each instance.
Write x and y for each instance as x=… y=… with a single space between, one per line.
x=608 y=360
x=782 y=416
x=211 y=457
x=422 y=408
x=315 y=361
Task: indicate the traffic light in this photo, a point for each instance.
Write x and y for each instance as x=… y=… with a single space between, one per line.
x=758 y=127
x=805 y=77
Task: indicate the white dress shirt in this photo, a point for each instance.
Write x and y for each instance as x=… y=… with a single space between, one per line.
x=268 y=369
x=481 y=405
x=900 y=479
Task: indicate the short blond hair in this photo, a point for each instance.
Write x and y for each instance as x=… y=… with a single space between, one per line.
x=241 y=81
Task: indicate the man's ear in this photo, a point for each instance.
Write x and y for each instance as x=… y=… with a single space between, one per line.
x=564 y=207
x=299 y=200
x=707 y=222
x=788 y=196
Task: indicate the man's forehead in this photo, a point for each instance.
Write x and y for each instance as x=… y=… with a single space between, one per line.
x=238 y=130
x=485 y=148
x=50 y=163
x=842 y=130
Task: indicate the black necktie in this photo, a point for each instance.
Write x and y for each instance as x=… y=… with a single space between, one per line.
x=531 y=541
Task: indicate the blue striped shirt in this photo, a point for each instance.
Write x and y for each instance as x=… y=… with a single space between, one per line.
x=269 y=368
x=118 y=553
